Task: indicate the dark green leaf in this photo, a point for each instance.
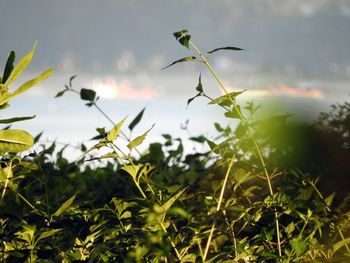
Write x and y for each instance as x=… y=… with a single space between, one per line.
x=241 y=130
x=199 y=87
x=180 y=60
x=59 y=94
x=225 y=48
x=88 y=94
x=136 y=120
x=185 y=40
x=180 y=34
x=191 y=99
x=37 y=137
x=71 y=79
x=9 y=66
x=227 y=99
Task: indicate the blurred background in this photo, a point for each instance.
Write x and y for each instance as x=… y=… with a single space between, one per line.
x=296 y=58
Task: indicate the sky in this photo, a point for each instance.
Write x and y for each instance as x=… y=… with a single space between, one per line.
x=296 y=54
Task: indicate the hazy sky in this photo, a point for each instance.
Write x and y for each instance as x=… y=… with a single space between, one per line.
x=297 y=48
x=308 y=36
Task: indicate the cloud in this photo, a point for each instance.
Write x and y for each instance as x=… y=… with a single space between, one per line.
x=281 y=90
x=110 y=88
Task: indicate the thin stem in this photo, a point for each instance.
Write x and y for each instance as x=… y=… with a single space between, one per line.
x=242 y=119
x=218 y=207
x=7 y=181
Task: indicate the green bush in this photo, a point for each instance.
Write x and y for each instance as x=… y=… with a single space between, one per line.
x=251 y=198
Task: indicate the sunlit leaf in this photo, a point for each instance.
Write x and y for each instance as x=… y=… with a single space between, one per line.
x=22 y=64
x=113 y=134
x=227 y=99
x=341 y=244
x=180 y=60
x=65 y=206
x=29 y=84
x=16 y=119
x=48 y=233
x=225 y=48
x=15 y=140
x=87 y=94
x=166 y=206
x=298 y=245
x=9 y=66
x=136 y=120
x=138 y=140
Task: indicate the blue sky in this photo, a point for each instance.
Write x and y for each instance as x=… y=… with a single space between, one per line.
x=295 y=51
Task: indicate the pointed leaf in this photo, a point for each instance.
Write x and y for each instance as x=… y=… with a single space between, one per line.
x=138 y=140
x=199 y=87
x=60 y=93
x=9 y=66
x=180 y=60
x=71 y=79
x=227 y=99
x=225 y=48
x=180 y=34
x=132 y=170
x=16 y=119
x=298 y=245
x=65 y=206
x=113 y=134
x=29 y=84
x=185 y=40
x=15 y=140
x=136 y=120
x=87 y=94
x=171 y=201
x=191 y=99
x=22 y=64
x=48 y=233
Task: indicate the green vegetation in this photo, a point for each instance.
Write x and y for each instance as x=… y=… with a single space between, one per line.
x=261 y=194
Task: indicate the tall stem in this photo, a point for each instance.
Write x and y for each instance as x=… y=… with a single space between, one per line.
x=242 y=119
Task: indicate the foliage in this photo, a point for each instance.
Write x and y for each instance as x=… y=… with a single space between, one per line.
x=248 y=199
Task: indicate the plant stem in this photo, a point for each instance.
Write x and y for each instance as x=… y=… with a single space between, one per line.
x=218 y=207
x=7 y=181
x=242 y=119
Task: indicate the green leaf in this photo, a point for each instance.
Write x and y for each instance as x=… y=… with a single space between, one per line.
x=241 y=130
x=138 y=140
x=225 y=48
x=341 y=244
x=21 y=66
x=48 y=233
x=166 y=206
x=113 y=134
x=16 y=119
x=191 y=99
x=199 y=87
x=133 y=170
x=29 y=84
x=180 y=60
x=180 y=34
x=9 y=66
x=235 y=113
x=88 y=94
x=60 y=93
x=185 y=40
x=65 y=206
x=227 y=99
x=15 y=140
x=298 y=245
x=71 y=79
x=136 y=120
